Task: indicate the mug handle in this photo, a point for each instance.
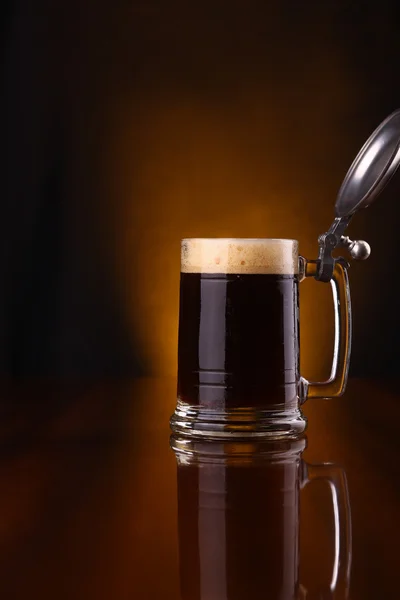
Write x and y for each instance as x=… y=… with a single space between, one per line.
x=336 y=478
x=336 y=384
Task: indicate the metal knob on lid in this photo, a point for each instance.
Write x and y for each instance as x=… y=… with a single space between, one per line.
x=359 y=250
x=369 y=173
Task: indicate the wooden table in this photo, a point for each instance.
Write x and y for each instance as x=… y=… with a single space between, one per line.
x=88 y=503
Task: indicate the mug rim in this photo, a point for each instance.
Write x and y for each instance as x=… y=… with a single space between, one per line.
x=237 y=239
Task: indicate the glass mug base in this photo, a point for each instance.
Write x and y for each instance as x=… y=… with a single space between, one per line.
x=237 y=423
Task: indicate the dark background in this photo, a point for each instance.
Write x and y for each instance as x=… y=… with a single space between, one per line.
x=126 y=126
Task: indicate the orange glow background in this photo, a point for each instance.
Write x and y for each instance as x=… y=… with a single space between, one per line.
x=223 y=146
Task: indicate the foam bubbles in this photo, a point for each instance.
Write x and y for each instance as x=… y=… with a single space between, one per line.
x=239 y=256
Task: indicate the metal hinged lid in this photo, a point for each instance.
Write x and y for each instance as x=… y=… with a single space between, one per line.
x=370 y=171
x=372 y=168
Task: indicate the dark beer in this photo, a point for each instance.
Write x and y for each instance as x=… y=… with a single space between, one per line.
x=238 y=325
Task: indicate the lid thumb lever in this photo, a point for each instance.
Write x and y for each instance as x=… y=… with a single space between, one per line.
x=359 y=249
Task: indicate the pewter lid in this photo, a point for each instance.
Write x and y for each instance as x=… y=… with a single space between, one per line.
x=372 y=168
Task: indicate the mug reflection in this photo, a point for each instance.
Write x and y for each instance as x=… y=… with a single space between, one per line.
x=239 y=520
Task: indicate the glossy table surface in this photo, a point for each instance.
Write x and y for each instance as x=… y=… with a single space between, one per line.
x=88 y=503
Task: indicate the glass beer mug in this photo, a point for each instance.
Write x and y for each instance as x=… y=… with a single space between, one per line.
x=239 y=521
x=238 y=349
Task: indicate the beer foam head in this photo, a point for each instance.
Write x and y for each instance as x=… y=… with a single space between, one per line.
x=239 y=256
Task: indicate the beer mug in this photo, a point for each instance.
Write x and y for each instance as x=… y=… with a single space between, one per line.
x=238 y=347
x=239 y=521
